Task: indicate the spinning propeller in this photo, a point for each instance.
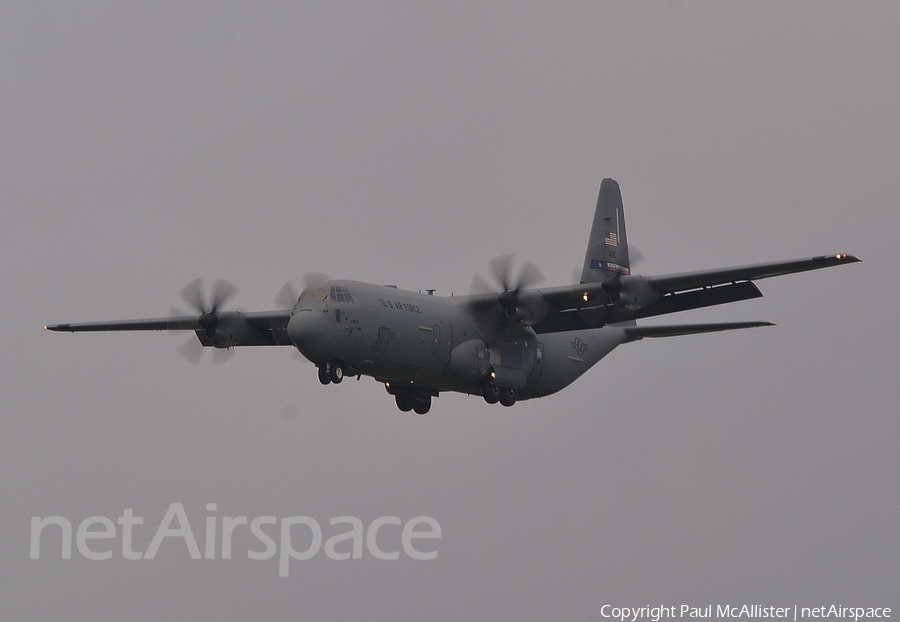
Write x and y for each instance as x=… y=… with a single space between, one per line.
x=508 y=283
x=288 y=295
x=207 y=306
x=613 y=285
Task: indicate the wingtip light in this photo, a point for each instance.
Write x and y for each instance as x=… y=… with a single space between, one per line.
x=846 y=257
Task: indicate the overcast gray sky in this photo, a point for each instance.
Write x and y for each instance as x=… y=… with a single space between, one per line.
x=409 y=143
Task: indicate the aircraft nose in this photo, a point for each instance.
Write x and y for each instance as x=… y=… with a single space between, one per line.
x=307 y=330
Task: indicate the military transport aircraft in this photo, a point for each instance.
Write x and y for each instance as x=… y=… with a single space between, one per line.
x=516 y=342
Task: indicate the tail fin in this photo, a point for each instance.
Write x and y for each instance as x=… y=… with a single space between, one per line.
x=607 y=251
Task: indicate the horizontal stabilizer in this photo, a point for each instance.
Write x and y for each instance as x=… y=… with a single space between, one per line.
x=639 y=332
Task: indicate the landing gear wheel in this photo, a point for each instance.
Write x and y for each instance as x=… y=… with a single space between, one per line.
x=490 y=391
x=508 y=396
x=422 y=404
x=335 y=372
x=324 y=378
x=405 y=400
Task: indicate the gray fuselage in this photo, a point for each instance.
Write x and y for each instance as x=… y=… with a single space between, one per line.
x=434 y=343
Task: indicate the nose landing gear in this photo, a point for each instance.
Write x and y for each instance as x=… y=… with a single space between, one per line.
x=336 y=372
x=331 y=372
x=324 y=378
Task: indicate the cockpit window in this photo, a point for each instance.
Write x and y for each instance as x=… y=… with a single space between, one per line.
x=340 y=294
x=314 y=294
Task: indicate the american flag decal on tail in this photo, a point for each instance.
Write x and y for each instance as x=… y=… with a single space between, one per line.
x=612 y=238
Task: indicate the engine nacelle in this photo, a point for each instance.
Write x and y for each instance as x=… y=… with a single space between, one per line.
x=530 y=307
x=228 y=329
x=635 y=293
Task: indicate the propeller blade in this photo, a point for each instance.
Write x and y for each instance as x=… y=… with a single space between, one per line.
x=635 y=256
x=220 y=355
x=222 y=291
x=191 y=351
x=502 y=271
x=193 y=295
x=500 y=268
x=481 y=286
x=507 y=298
x=287 y=296
x=530 y=275
x=311 y=279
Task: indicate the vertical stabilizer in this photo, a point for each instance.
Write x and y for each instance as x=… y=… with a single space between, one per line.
x=607 y=251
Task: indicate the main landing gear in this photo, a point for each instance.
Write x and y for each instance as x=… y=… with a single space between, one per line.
x=493 y=394
x=409 y=399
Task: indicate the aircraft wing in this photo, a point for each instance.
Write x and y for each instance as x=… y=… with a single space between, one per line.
x=576 y=307
x=257 y=328
x=707 y=278
x=173 y=323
